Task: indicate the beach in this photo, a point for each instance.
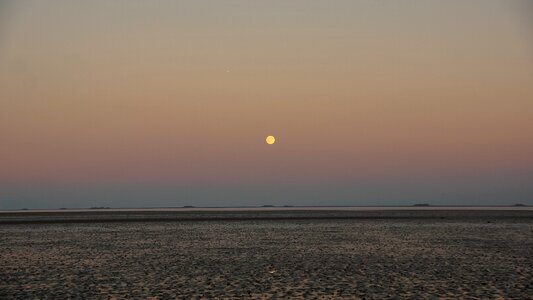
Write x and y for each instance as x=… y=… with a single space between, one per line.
x=268 y=254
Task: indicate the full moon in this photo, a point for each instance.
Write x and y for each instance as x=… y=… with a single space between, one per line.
x=270 y=140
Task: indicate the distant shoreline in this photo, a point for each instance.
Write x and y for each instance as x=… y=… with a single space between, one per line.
x=264 y=214
x=278 y=208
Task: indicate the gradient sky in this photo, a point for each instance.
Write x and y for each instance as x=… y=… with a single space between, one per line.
x=168 y=103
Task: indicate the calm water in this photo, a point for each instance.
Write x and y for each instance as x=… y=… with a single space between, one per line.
x=331 y=208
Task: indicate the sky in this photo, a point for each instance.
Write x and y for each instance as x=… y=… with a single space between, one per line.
x=168 y=103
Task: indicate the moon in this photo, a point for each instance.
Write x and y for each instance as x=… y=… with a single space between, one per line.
x=270 y=139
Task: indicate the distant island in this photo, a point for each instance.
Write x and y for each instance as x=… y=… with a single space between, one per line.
x=421 y=204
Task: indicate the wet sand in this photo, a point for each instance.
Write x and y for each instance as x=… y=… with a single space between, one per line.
x=268 y=254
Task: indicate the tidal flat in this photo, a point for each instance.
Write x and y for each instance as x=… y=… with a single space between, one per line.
x=417 y=256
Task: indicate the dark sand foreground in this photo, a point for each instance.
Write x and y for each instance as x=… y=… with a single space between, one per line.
x=295 y=254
